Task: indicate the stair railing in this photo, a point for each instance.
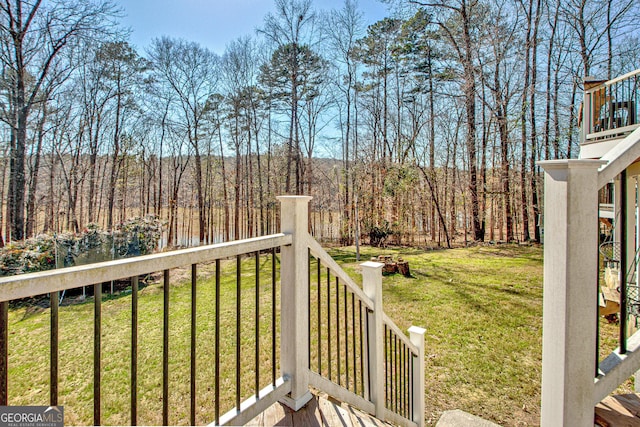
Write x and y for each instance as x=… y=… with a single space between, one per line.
x=374 y=366
x=347 y=346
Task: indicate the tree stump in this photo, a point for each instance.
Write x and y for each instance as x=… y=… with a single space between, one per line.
x=385 y=258
x=403 y=268
x=390 y=268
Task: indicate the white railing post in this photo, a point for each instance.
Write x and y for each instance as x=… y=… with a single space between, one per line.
x=416 y=335
x=570 y=294
x=294 y=297
x=372 y=284
x=636 y=210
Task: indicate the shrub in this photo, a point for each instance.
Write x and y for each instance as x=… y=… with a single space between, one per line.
x=378 y=234
x=136 y=236
x=35 y=254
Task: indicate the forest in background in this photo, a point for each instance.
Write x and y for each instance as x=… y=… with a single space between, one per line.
x=422 y=128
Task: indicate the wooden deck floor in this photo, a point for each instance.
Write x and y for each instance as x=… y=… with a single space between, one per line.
x=618 y=411
x=320 y=411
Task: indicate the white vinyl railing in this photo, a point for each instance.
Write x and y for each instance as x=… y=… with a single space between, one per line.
x=44 y=282
x=382 y=377
x=573 y=380
x=392 y=387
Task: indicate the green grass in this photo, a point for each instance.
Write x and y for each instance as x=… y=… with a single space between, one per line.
x=29 y=349
x=481 y=307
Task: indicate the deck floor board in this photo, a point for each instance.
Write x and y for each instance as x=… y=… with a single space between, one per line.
x=619 y=410
x=320 y=411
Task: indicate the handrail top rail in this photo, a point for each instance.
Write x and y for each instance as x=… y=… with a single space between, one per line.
x=613 y=81
x=319 y=252
x=625 y=153
x=43 y=282
x=401 y=335
x=591 y=138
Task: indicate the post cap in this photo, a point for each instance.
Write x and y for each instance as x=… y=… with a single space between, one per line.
x=372 y=264
x=294 y=198
x=417 y=330
x=548 y=165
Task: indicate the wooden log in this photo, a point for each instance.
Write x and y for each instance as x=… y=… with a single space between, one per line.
x=403 y=268
x=390 y=268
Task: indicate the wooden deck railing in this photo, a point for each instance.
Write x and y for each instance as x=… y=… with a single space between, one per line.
x=367 y=362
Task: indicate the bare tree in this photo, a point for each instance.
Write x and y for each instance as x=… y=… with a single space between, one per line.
x=346 y=27
x=239 y=77
x=288 y=30
x=38 y=34
x=593 y=24
x=456 y=20
x=122 y=70
x=191 y=71
x=499 y=77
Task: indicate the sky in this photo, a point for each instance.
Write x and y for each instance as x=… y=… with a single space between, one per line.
x=212 y=23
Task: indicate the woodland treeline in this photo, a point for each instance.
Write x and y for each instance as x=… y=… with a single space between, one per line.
x=423 y=128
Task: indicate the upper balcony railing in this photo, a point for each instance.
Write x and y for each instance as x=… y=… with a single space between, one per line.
x=610 y=109
x=261 y=321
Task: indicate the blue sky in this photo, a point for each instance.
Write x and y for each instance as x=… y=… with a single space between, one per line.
x=212 y=23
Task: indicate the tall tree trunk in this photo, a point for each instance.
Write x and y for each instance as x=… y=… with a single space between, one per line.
x=262 y=226
x=533 y=184
x=523 y=124
x=17 y=180
x=33 y=178
x=200 y=194
x=3 y=175
x=572 y=119
x=470 y=105
x=432 y=144
x=556 y=115
x=225 y=195
x=345 y=232
x=452 y=204
x=163 y=125
x=548 y=94
x=113 y=173
x=49 y=221
x=270 y=214
x=483 y=165
x=236 y=184
x=94 y=136
x=505 y=165
x=293 y=126
x=249 y=184
x=11 y=193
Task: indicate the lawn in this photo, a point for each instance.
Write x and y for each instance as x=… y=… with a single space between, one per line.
x=481 y=307
x=29 y=348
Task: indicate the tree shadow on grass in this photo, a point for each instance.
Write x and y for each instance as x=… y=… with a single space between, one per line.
x=35 y=306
